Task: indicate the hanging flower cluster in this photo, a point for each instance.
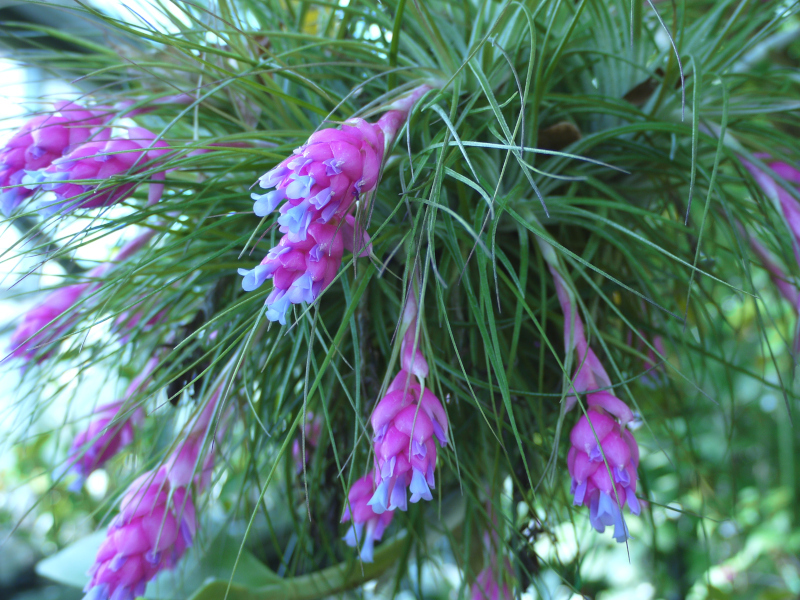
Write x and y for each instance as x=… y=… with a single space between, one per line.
x=42 y=326
x=604 y=456
x=157 y=519
x=69 y=151
x=41 y=141
x=313 y=191
x=789 y=208
x=368 y=526
x=109 y=431
x=406 y=422
x=84 y=177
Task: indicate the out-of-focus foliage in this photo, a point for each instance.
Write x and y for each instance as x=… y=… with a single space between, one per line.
x=568 y=122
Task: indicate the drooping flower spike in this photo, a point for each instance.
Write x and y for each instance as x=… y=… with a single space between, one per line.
x=155 y=526
x=492 y=582
x=42 y=140
x=333 y=169
x=301 y=270
x=786 y=284
x=604 y=474
x=788 y=205
x=487 y=586
x=110 y=430
x=367 y=527
x=81 y=179
x=406 y=422
x=313 y=190
x=604 y=456
x=44 y=323
x=157 y=520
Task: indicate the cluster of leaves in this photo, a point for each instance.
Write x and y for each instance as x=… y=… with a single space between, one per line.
x=605 y=128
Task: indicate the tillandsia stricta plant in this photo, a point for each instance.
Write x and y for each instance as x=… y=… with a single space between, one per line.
x=539 y=252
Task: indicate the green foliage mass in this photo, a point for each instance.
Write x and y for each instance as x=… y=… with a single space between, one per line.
x=603 y=128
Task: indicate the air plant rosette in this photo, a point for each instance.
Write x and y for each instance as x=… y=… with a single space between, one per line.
x=529 y=252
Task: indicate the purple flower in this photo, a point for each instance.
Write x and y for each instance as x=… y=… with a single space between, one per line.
x=302 y=269
x=81 y=178
x=326 y=175
x=406 y=421
x=323 y=177
x=109 y=431
x=155 y=526
x=43 y=139
x=317 y=186
x=605 y=486
x=367 y=527
x=157 y=520
x=43 y=325
x=602 y=437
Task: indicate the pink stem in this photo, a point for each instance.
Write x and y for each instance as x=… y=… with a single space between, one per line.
x=574 y=336
x=391 y=122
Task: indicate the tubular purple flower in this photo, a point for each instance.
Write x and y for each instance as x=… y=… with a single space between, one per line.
x=406 y=421
x=317 y=186
x=592 y=485
x=367 y=527
x=323 y=177
x=78 y=180
x=155 y=526
x=301 y=270
x=110 y=430
x=43 y=325
x=43 y=139
x=788 y=205
x=600 y=436
x=157 y=520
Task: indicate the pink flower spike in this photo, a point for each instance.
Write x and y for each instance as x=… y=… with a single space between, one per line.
x=406 y=421
x=157 y=520
x=324 y=177
x=318 y=185
x=592 y=486
x=367 y=527
x=42 y=326
x=110 y=431
x=45 y=323
x=79 y=179
x=43 y=139
x=156 y=524
x=300 y=269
